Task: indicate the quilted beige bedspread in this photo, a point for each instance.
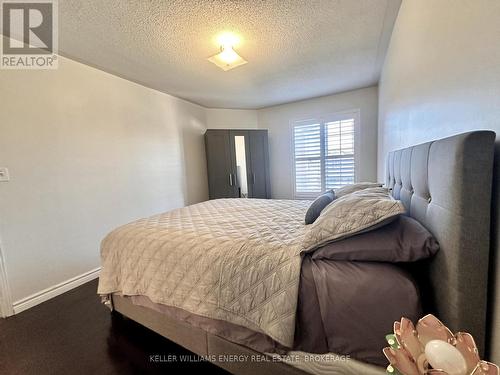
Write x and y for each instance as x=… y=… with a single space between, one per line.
x=232 y=259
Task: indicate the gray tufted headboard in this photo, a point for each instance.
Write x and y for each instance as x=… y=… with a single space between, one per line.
x=446 y=186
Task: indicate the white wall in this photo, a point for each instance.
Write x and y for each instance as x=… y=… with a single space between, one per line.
x=218 y=118
x=441 y=74
x=441 y=77
x=87 y=151
x=278 y=120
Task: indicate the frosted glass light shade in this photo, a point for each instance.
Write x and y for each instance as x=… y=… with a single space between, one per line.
x=227 y=58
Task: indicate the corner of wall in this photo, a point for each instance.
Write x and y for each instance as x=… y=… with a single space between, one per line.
x=6 y=307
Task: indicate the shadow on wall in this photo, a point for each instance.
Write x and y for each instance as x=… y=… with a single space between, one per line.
x=192 y=153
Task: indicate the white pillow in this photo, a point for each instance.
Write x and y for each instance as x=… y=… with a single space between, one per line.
x=351 y=214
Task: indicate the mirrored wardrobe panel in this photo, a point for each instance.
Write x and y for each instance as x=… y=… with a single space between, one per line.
x=241 y=165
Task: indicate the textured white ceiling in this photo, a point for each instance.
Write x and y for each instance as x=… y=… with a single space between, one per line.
x=295 y=49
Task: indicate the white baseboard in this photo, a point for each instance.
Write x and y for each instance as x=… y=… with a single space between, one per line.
x=46 y=294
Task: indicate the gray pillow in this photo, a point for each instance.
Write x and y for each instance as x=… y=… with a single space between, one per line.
x=403 y=240
x=317 y=206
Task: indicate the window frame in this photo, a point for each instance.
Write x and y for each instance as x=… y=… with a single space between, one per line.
x=322 y=120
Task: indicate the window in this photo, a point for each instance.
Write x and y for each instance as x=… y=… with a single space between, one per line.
x=324 y=154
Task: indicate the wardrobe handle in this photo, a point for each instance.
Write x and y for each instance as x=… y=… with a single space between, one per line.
x=230 y=179
x=253 y=178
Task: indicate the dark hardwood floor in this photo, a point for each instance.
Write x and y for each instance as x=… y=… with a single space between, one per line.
x=75 y=334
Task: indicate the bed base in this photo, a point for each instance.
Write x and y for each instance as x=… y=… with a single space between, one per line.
x=206 y=344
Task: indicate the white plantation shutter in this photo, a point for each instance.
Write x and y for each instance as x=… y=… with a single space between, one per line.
x=324 y=154
x=339 y=153
x=307 y=144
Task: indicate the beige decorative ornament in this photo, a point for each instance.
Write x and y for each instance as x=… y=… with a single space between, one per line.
x=432 y=349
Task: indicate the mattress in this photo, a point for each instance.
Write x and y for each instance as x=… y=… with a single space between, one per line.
x=344 y=307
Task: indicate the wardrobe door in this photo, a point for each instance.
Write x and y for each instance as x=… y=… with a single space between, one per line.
x=259 y=182
x=221 y=181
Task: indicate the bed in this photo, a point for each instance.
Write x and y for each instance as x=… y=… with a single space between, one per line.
x=435 y=182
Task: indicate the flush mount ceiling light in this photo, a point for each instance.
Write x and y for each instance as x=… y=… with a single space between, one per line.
x=227 y=58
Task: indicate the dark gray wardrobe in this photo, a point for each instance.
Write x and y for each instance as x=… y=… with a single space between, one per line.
x=238 y=163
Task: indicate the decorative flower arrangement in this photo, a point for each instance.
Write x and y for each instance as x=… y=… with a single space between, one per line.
x=432 y=349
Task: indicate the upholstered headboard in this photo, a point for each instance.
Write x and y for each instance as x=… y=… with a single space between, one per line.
x=446 y=186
